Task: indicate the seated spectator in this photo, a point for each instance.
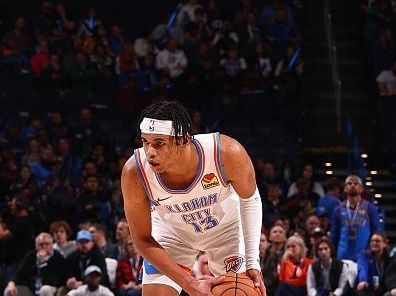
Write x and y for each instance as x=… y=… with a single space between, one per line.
x=128 y=271
x=315 y=236
x=371 y=266
x=293 y=268
x=85 y=255
x=270 y=260
x=61 y=232
x=82 y=75
x=89 y=24
x=281 y=32
x=386 y=81
x=91 y=202
x=57 y=126
x=32 y=152
x=308 y=175
x=268 y=177
x=71 y=162
x=16 y=235
x=108 y=249
x=390 y=278
x=304 y=200
x=187 y=12
x=332 y=197
x=273 y=206
x=171 y=60
x=19 y=37
x=92 y=278
x=40 y=272
x=26 y=184
x=41 y=58
x=263 y=244
x=122 y=234
x=45 y=169
x=327 y=276
x=53 y=76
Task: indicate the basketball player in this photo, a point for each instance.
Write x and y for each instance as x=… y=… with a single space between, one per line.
x=186 y=194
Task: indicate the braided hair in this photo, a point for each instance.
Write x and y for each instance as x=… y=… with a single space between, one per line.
x=173 y=111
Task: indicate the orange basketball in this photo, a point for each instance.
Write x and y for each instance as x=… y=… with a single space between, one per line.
x=236 y=284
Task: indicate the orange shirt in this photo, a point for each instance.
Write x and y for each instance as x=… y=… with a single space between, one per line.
x=295 y=275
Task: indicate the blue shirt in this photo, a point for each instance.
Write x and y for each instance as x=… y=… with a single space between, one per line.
x=329 y=203
x=362 y=222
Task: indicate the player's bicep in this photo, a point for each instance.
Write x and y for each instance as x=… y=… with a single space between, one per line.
x=237 y=166
x=136 y=203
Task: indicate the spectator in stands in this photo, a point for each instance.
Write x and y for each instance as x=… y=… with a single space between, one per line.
x=32 y=152
x=16 y=234
x=314 y=238
x=354 y=221
x=26 y=184
x=93 y=277
x=40 y=272
x=293 y=269
x=386 y=81
x=269 y=177
x=390 y=278
x=89 y=24
x=108 y=249
x=264 y=244
x=45 y=169
x=102 y=60
x=116 y=40
x=308 y=175
x=71 y=163
x=187 y=12
x=121 y=235
x=30 y=130
x=327 y=275
x=127 y=64
x=273 y=206
x=281 y=32
x=40 y=59
x=58 y=128
x=19 y=38
x=312 y=222
x=82 y=75
x=332 y=197
x=371 y=266
x=61 y=232
x=128 y=271
x=53 y=76
x=85 y=255
x=171 y=60
x=302 y=202
x=91 y=202
x=233 y=65
x=270 y=261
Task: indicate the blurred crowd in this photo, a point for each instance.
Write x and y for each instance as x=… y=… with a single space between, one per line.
x=380 y=37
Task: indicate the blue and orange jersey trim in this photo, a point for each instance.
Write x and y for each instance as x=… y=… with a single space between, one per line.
x=201 y=166
x=217 y=158
x=143 y=178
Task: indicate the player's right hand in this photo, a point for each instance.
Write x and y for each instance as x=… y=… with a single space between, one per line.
x=204 y=287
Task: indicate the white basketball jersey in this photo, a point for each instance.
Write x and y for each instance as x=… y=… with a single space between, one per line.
x=207 y=207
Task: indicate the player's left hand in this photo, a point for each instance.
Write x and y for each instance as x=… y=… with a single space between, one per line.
x=257 y=279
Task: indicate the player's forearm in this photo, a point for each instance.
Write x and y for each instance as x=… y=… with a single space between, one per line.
x=251 y=216
x=157 y=256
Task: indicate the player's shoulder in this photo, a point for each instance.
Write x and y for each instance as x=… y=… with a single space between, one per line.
x=230 y=148
x=130 y=168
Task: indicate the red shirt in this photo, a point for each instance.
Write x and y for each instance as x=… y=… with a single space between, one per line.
x=293 y=274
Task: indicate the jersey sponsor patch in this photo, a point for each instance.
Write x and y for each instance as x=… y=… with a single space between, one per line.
x=233 y=263
x=209 y=181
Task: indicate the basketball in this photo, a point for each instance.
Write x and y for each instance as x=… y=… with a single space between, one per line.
x=236 y=284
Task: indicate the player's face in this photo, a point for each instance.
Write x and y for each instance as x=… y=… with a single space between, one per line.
x=161 y=151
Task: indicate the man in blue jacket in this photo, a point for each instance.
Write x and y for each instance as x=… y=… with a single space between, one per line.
x=354 y=221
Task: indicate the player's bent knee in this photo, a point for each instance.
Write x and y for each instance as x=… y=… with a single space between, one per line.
x=158 y=289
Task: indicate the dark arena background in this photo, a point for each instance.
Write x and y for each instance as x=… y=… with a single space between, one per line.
x=307 y=86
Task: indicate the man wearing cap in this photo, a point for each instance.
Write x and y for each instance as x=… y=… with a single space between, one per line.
x=92 y=278
x=86 y=254
x=354 y=221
